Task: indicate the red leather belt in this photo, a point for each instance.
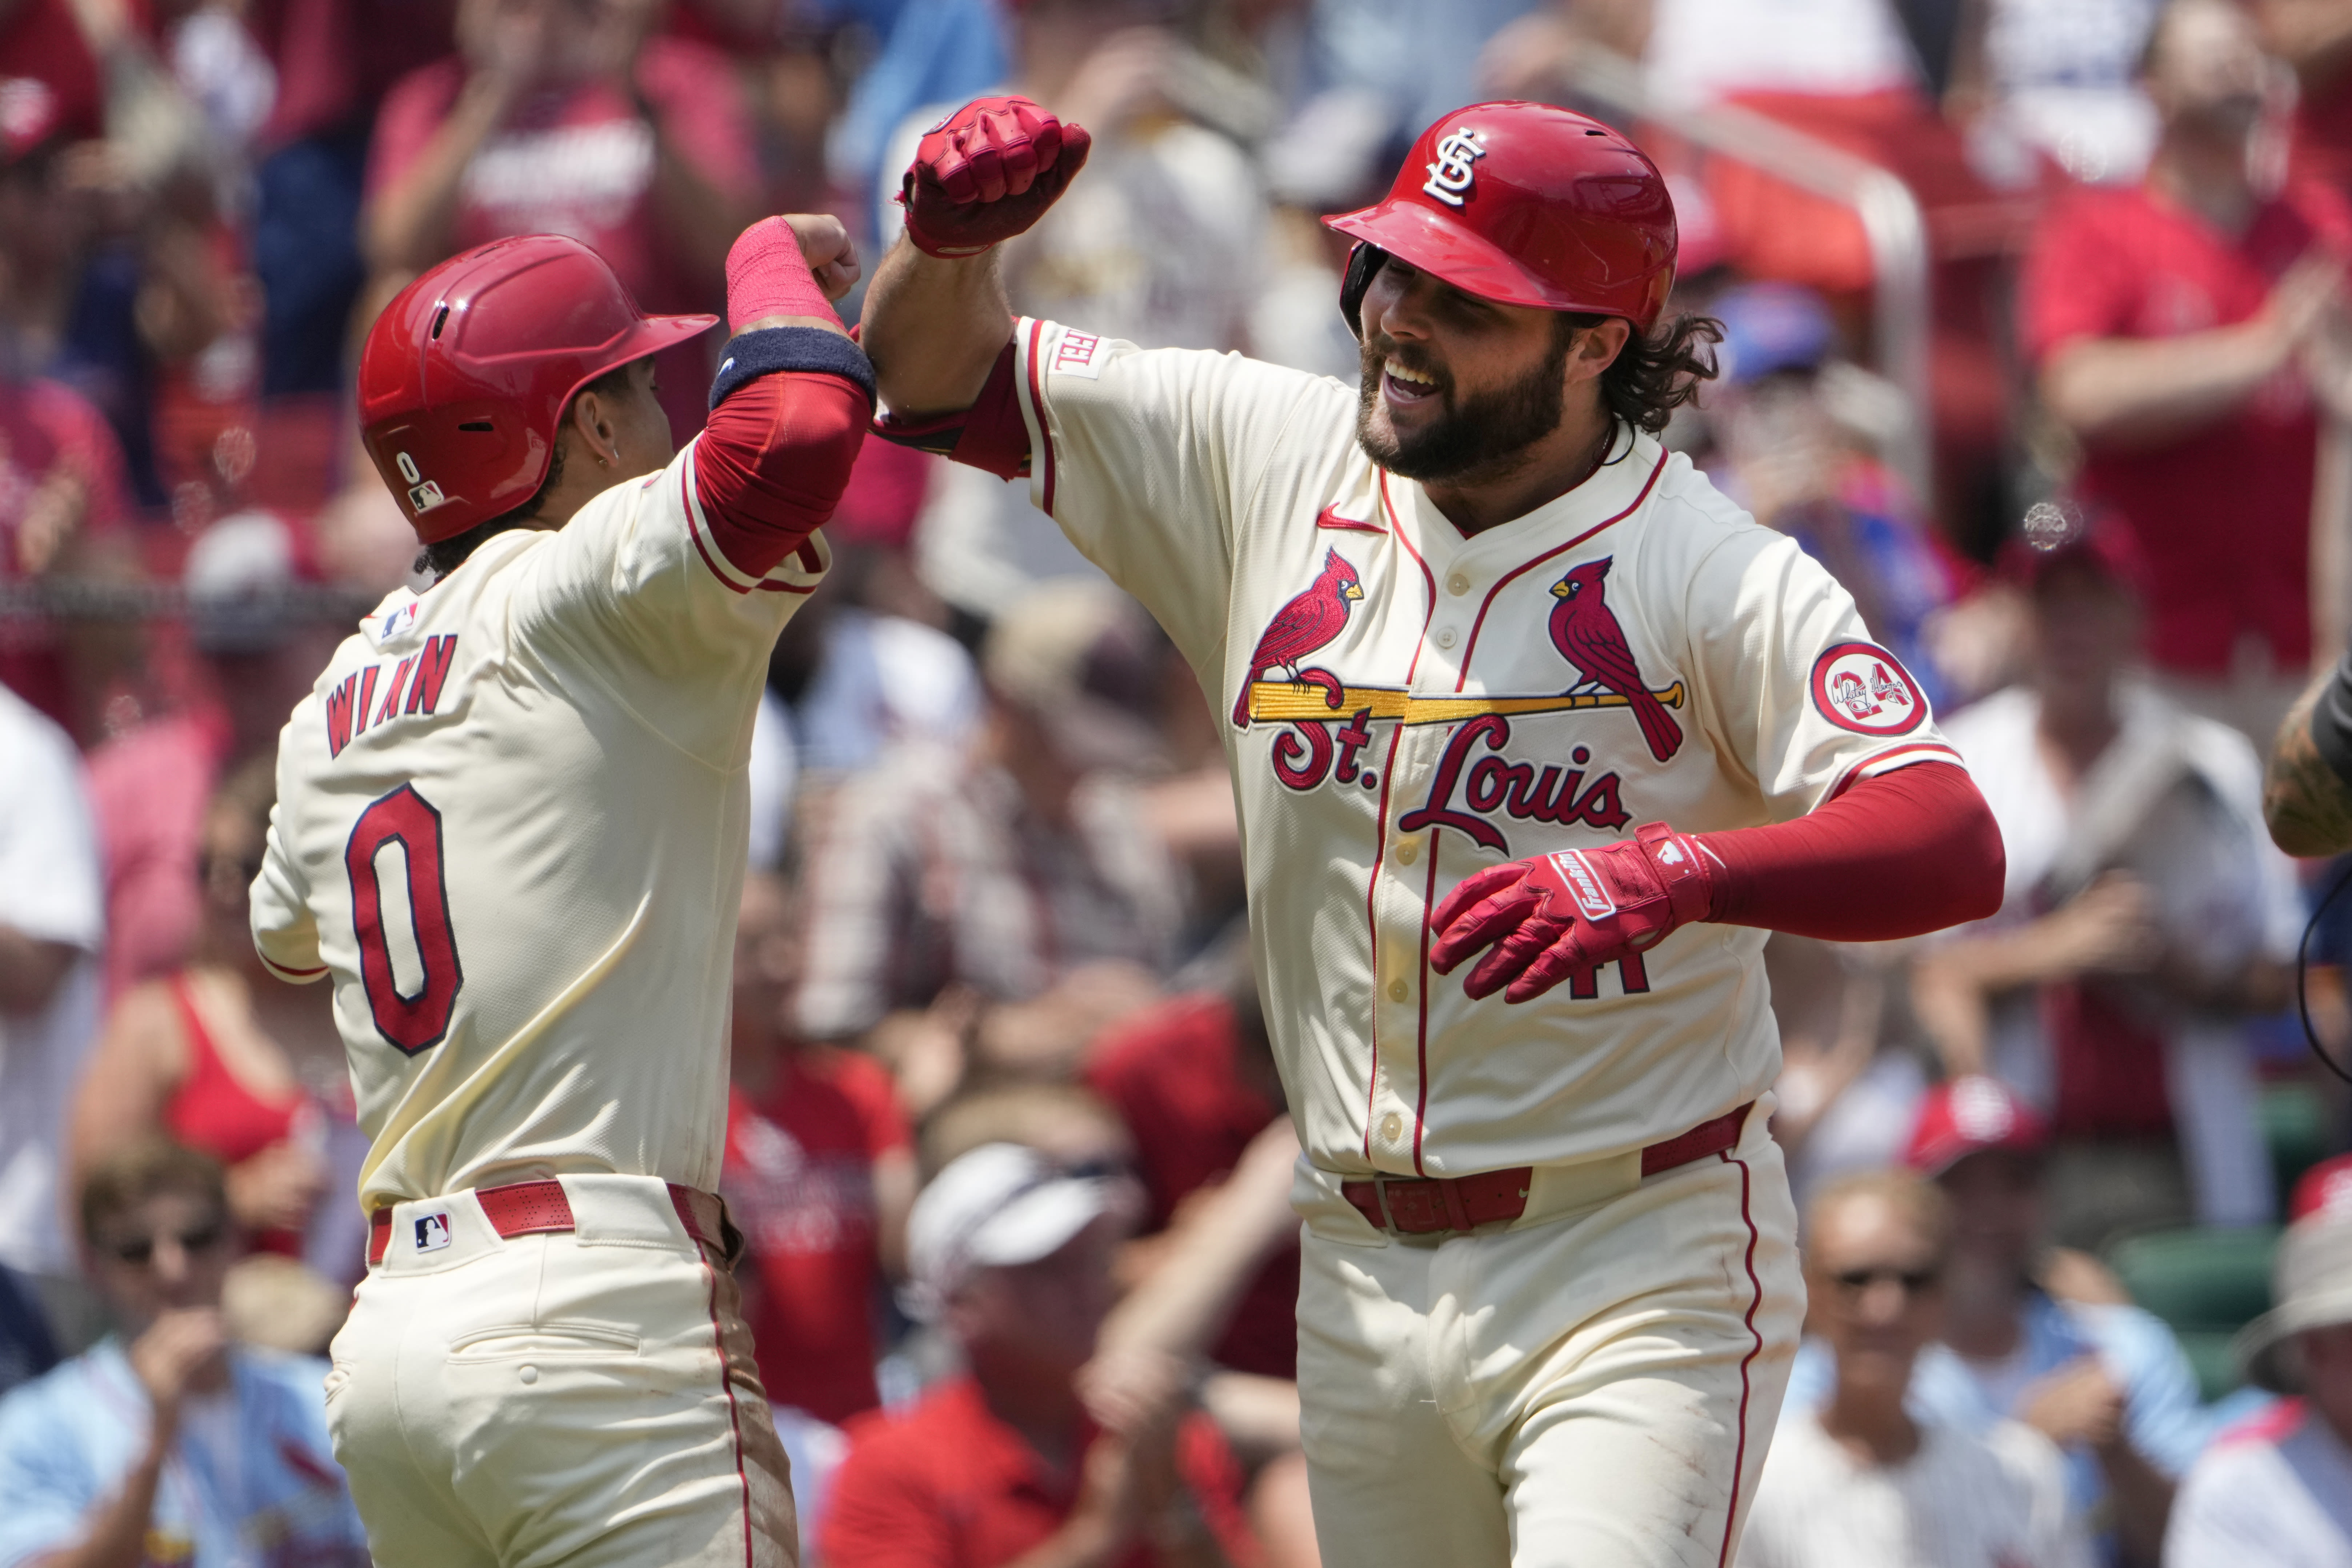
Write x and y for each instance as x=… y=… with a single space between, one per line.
x=527 y=1208
x=1418 y=1205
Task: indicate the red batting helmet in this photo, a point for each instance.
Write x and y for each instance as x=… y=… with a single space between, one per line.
x=1527 y=205
x=467 y=373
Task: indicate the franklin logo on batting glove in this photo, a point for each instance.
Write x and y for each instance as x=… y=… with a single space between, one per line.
x=1568 y=912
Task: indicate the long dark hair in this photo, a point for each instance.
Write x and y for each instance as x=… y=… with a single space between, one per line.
x=1659 y=370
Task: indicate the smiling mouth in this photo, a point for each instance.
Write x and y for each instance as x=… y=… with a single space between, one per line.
x=1405 y=387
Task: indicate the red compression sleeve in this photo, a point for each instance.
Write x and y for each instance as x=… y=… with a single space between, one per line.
x=773 y=461
x=988 y=435
x=1899 y=855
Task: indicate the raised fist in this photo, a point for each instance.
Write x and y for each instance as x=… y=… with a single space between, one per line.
x=1548 y=917
x=987 y=172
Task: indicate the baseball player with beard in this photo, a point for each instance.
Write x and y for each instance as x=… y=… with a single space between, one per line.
x=1535 y=737
x=509 y=833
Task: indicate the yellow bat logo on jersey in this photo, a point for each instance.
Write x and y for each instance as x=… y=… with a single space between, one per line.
x=1284 y=701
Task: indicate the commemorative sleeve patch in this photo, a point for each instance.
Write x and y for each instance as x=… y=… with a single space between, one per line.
x=1861 y=687
x=1078 y=354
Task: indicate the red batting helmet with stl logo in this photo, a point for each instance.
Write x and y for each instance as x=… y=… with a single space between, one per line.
x=467 y=373
x=1526 y=204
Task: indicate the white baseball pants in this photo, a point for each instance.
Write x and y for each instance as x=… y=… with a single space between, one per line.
x=583 y=1398
x=1591 y=1390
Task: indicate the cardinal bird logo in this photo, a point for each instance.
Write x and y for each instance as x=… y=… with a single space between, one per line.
x=1585 y=631
x=1307 y=622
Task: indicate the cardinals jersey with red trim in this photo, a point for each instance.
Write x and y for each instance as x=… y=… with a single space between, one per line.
x=510 y=829
x=1403 y=706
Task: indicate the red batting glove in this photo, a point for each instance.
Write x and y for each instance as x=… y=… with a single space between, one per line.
x=1555 y=914
x=987 y=172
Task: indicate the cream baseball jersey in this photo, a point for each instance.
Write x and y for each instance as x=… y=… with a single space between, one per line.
x=511 y=830
x=1403 y=706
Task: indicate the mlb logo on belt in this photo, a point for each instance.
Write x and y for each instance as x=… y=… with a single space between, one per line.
x=432 y=1232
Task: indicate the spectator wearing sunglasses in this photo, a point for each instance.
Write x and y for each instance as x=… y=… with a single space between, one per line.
x=166 y=1442
x=2039 y=1334
x=1862 y=1479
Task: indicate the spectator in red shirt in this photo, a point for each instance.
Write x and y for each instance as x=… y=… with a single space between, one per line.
x=2171 y=324
x=48 y=69
x=819 y=1175
x=1011 y=1260
x=1194 y=1081
x=562 y=116
x=63 y=494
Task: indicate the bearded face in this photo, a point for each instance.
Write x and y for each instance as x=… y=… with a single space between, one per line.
x=1479 y=430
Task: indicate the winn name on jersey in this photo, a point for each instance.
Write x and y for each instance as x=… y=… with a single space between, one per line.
x=530 y=994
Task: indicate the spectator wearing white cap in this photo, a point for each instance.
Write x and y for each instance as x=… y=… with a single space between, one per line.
x=1009 y=1257
x=2277 y=1489
x=2022 y=1336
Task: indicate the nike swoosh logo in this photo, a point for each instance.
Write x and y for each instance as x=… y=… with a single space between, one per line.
x=1330 y=518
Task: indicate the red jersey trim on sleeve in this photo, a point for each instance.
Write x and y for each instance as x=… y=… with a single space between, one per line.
x=1042 y=451
x=1886 y=762
x=768 y=470
x=801 y=572
x=989 y=435
x=699 y=528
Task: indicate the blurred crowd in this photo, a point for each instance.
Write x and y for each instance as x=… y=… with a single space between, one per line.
x=1006 y=1144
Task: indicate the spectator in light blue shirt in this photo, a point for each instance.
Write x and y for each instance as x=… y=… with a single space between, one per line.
x=2105 y=1381
x=168 y=1443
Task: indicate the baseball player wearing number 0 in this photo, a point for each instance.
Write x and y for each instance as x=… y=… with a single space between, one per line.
x=1535 y=736
x=510 y=832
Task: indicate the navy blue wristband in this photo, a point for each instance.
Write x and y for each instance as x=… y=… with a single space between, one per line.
x=771 y=349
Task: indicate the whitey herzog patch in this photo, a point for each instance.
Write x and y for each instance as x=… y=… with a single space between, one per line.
x=1861 y=687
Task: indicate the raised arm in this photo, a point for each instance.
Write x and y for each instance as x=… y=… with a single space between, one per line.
x=934 y=327
x=2151 y=390
x=936 y=317
x=789 y=408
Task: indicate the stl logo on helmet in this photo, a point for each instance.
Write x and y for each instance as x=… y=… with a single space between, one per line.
x=1861 y=687
x=424 y=495
x=1449 y=175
